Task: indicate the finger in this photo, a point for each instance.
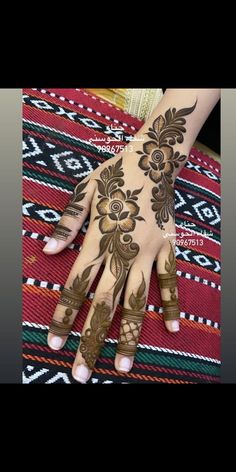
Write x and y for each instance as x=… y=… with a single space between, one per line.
x=73 y=295
x=72 y=219
x=166 y=272
x=132 y=314
x=97 y=325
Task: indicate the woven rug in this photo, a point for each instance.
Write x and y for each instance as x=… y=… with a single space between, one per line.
x=57 y=127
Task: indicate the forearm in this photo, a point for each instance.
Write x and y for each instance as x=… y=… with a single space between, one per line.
x=183 y=98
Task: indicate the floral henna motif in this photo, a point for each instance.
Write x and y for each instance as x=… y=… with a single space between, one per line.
x=94 y=337
x=159 y=160
x=118 y=212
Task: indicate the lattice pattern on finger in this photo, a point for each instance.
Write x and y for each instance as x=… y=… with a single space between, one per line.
x=129 y=332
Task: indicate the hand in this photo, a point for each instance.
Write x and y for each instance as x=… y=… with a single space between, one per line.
x=131 y=201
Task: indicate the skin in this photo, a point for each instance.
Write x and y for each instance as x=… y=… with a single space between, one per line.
x=148 y=237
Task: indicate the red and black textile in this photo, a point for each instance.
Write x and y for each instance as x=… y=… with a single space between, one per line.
x=57 y=153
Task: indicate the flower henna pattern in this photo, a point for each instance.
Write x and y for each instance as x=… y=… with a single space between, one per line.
x=156 y=161
x=118 y=212
x=159 y=160
x=94 y=337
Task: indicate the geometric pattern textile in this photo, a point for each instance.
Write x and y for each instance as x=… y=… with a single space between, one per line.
x=58 y=152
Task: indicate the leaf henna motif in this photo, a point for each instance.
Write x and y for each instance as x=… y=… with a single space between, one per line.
x=118 y=212
x=158 y=159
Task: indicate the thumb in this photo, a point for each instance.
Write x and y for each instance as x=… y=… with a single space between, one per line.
x=72 y=219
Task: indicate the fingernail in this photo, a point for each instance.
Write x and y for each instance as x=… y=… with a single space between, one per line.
x=56 y=342
x=51 y=245
x=82 y=373
x=125 y=364
x=175 y=325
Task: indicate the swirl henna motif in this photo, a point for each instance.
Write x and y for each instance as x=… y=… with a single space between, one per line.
x=118 y=212
x=159 y=160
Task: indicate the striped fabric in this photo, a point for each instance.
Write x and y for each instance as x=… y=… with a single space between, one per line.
x=58 y=125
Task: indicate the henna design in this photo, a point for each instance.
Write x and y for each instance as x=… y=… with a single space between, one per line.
x=94 y=337
x=59 y=329
x=75 y=295
x=131 y=322
x=169 y=280
x=71 y=298
x=117 y=215
x=159 y=160
x=73 y=210
x=61 y=232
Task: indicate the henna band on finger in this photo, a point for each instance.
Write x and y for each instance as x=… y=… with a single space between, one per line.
x=130 y=328
x=170 y=309
x=131 y=322
x=59 y=329
x=72 y=298
x=73 y=210
x=61 y=232
x=169 y=281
